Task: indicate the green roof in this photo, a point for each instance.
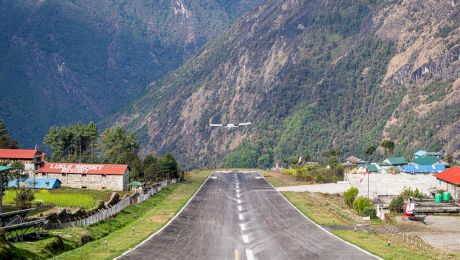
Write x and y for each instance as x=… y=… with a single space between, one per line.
x=135 y=183
x=397 y=160
x=426 y=160
x=372 y=168
x=4 y=168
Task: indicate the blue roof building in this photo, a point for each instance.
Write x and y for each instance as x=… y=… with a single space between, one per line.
x=36 y=183
x=424 y=169
x=4 y=168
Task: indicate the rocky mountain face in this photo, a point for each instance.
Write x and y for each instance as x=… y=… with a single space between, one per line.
x=312 y=75
x=67 y=61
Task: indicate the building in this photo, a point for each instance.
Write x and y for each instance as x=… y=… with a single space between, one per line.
x=449 y=180
x=423 y=169
x=427 y=160
x=36 y=183
x=422 y=153
x=87 y=176
x=355 y=160
x=395 y=161
x=31 y=158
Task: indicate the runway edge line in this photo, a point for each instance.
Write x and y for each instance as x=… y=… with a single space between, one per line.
x=167 y=224
x=319 y=226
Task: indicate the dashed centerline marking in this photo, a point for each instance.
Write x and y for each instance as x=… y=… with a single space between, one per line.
x=238 y=195
x=245 y=239
x=240 y=208
x=249 y=254
x=240 y=216
x=243 y=227
x=238 y=201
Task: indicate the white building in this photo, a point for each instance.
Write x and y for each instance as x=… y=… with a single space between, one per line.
x=87 y=176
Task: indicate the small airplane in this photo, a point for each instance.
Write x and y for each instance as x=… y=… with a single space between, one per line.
x=230 y=126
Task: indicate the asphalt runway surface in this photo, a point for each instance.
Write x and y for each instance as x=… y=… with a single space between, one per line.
x=239 y=215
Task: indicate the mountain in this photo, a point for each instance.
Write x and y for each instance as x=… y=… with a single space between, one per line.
x=311 y=75
x=64 y=61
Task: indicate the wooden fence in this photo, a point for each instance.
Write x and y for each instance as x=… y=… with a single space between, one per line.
x=106 y=213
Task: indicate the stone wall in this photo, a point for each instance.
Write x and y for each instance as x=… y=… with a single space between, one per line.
x=90 y=181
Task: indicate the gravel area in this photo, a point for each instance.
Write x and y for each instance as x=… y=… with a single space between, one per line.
x=379 y=184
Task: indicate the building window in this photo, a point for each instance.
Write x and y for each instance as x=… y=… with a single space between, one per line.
x=103 y=175
x=83 y=175
x=63 y=174
x=83 y=187
x=103 y=188
x=43 y=174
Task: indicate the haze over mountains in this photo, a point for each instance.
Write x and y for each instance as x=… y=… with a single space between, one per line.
x=64 y=61
x=312 y=75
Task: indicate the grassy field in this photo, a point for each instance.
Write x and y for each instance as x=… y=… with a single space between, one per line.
x=313 y=206
x=145 y=218
x=64 y=197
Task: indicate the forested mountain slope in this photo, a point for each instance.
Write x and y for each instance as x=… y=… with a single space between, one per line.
x=312 y=75
x=63 y=61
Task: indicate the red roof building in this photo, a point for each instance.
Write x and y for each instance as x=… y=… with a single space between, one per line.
x=19 y=154
x=85 y=168
x=451 y=175
x=449 y=180
x=87 y=176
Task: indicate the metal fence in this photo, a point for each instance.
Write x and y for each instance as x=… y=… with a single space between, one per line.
x=104 y=214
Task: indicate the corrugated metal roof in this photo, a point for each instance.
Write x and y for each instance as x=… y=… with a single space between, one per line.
x=451 y=175
x=411 y=168
x=426 y=160
x=84 y=168
x=18 y=153
x=4 y=168
x=397 y=160
x=37 y=183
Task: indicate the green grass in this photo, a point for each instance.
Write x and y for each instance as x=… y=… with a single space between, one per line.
x=64 y=197
x=312 y=205
x=378 y=245
x=274 y=181
x=146 y=218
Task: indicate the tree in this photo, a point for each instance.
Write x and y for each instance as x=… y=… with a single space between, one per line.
x=396 y=204
x=360 y=204
x=350 y=195
x=24 y=197
x=117 y=146
x=168 y=167
x=17 y=172
x=151 y=168
x=388 y=145
x=6 y=142
x=73 y=143
x=370 y=150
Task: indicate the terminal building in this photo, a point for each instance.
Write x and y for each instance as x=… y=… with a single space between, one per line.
x=30 y=158
x=113 y=177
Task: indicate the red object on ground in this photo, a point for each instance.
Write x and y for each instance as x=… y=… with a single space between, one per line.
x=451 y=175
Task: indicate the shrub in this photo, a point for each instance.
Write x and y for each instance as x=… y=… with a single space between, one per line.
x=24 y=197
x=350 y=195
x=360 y=203
x=407 y=192
x=6 y=251
x=39 y=203
x=396 y=204
x=2 y=236
x=85 y=238
x=370 y=211
x=55 y=245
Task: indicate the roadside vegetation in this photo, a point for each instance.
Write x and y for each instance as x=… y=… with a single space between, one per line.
x=112 y=237
x=63 y=197
x=375 y=236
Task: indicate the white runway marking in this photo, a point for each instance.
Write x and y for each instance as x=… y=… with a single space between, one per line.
x=245 y=239
x=214 y=177
x=238 y=195
x=240 y=216
x=243 y=227
x=258 y=177
x=240 y=208
x=238 y=201
x=237 y=190
x=249 y=254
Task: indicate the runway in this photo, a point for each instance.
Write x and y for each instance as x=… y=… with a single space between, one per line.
x=239 y=215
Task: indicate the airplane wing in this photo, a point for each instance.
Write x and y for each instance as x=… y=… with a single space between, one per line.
x=247 y=123
x=216 y=125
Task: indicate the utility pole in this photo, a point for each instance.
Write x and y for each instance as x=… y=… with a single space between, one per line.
x=367 y=172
